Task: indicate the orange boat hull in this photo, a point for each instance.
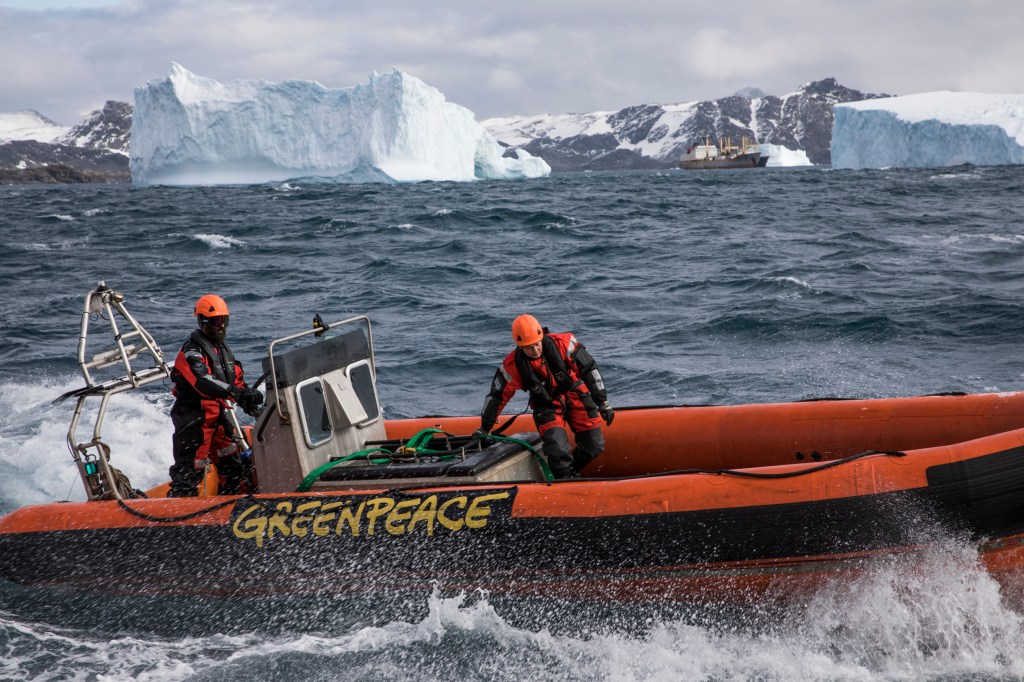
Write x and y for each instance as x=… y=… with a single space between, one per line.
x=699 y=504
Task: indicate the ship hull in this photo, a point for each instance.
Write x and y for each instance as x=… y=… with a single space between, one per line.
x=739 y=161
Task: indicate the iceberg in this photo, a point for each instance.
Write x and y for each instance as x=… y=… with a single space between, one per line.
x=780 y=156
x=190 y=130
x=929 y=130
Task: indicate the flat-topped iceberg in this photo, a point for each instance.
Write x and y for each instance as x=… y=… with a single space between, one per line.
x=928 y=130
x=190 y=130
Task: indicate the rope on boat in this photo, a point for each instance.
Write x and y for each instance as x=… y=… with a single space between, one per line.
x=174 y=519
x=820 y=467
x=782 y=474
x=547 y=473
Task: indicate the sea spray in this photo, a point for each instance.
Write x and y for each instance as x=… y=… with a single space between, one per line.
x=33 y=453
x=940 y=617
x=937 y=612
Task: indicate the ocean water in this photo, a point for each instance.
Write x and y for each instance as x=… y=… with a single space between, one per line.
x=689 y=288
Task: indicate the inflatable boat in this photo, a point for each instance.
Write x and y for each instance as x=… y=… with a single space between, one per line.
x=703 y=504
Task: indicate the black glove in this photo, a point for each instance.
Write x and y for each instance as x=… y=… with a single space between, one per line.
x=481 y=432
x=250 y=400
x=607 y=413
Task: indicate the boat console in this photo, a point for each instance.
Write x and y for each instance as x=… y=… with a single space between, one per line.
x=323 y=429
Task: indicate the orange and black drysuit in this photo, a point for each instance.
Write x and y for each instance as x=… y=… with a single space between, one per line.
x=205 y=376
x=564 y=386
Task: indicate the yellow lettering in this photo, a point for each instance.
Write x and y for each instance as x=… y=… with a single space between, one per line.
x=352 y=519
x=299 y=526
x=444 y=520
x=398 y=515
x=378 y=506
x=476 y=515
x=251 y=529
x=325 y=516
x=279 y=521
x=316 y=518
x=426 y=513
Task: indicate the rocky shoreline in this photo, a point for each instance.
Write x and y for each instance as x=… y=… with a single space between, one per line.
x=61 y=174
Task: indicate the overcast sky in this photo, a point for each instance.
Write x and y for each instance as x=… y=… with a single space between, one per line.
x=65 y=58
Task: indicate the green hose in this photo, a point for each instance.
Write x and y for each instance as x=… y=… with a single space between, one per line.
x=416 y=445
x=313 y=475
x=548 y=476
x=413 y=444
x=418 y=442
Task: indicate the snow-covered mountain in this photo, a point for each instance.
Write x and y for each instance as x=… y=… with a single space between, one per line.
x=190 y=130
x=29 y=125
x=930 y=130
x=106 y=129
x=653 y=135
x=94 y=150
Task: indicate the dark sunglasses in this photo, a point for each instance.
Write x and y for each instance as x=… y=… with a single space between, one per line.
x=218 y=321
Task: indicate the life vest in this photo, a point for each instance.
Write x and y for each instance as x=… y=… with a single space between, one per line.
x=561 y=378
x=224 y=370
x=219 y=359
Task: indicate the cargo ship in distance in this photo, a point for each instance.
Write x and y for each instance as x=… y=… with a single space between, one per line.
x=723 y=155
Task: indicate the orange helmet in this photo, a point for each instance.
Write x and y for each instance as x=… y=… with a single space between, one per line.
x=526 y=330
x=212 y=315
x=211 y=305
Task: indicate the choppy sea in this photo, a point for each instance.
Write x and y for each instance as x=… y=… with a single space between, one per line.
x=688 y=287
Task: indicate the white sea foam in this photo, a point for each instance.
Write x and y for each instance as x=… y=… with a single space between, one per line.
x=791 y=280
x=794 y=288
x=219 y=241
x=94 y=211
x=937 y=617
x=1004 y=238
x=945 y=177
x=963 y=241
x=34 y=457
x=940 y=615
x=61 y=216
x=121 y=658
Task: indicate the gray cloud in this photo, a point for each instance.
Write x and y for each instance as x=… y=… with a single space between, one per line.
x=527 y=57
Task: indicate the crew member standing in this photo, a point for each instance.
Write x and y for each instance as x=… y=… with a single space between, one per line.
x=565 y=387
x=206 y=376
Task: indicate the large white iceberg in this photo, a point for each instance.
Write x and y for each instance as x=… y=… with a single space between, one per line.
x=780 y=156
x=928 y=130
x=190 y=130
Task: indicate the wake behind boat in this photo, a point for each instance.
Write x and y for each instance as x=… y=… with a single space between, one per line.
x=707 y=504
